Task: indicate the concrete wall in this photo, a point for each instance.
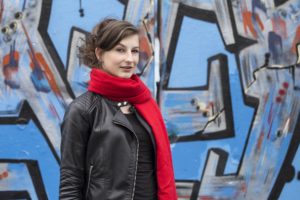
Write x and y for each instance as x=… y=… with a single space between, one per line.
x=224 y=72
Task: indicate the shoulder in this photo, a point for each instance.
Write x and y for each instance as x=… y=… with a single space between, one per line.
x=84 y=103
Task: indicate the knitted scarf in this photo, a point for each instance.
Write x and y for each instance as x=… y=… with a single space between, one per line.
x=134 y=91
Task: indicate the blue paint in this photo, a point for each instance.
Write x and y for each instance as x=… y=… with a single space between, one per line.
x=65 y=15
x=198 y=40
x=19 y=179
x=204 y=42
x=27 y=142
x=290 y=190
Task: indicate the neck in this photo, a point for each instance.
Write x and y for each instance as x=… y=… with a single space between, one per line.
x=125 y=109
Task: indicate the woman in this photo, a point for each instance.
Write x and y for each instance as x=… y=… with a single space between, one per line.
x=114 y=142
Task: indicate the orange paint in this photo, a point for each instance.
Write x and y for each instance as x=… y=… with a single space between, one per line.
x=279 y=26
x=38 y=60
x=248 y=22
x=4 y=175
x=296 y=41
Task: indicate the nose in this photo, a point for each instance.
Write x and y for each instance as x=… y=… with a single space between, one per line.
x=129 y=57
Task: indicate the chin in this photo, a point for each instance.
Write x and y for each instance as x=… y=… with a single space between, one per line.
x=125 y=75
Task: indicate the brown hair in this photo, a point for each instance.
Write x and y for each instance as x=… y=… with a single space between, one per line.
x=105 y=35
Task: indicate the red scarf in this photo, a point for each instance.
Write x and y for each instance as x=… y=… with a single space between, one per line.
x=134 y=91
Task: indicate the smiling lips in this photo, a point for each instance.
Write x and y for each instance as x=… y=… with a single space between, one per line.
x=126 y=68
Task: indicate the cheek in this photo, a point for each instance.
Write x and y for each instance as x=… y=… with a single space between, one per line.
x=110 y=60
x=136 y=58
x=117 y=58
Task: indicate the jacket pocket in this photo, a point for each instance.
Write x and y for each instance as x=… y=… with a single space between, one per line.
x=89 y=181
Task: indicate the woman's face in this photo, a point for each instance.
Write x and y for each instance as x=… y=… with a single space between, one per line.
x=121 y=61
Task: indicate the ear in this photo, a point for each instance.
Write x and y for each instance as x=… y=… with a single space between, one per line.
x=98 y=53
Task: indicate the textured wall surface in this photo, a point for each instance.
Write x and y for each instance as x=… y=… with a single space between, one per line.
x=226 y=74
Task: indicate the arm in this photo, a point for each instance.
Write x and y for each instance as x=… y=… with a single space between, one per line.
x=75 y=133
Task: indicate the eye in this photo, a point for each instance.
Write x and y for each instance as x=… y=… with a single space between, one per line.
x=120 y=50
x=135 y=51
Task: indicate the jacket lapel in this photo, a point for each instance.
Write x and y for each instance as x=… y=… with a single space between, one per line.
x=119 y=118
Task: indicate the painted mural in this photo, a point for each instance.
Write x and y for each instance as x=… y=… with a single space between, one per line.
x=225 y=74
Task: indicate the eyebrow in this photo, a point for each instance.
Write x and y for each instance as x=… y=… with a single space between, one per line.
x=125 y=46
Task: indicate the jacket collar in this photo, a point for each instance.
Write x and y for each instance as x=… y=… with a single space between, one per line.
x=119 y=118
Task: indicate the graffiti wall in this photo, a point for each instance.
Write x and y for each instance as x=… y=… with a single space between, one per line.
x=226 y=74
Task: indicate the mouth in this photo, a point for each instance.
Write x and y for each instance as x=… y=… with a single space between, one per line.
x=126 y=67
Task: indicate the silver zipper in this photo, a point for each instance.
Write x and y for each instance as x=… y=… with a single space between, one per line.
x=136 y=163
x=89 y=180
x=137 y=157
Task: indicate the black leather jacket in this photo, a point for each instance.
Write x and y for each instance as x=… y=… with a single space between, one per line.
x=99 y=151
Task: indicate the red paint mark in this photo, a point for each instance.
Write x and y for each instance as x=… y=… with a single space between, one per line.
x=279 y=26
x=270 y=114
x=266 y=97
x=260 y=141
x=281 y=92
x=4 y=175
x=285 y=85
x=248 y=22
x=278 y=99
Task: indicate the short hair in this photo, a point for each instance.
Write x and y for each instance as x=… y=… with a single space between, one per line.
x=105 y=35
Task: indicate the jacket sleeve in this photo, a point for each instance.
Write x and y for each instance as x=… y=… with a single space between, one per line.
x=75 y=133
